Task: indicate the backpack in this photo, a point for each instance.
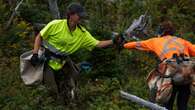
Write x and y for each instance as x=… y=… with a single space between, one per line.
x=160 y=87
x=160 y=80
x=192 y=86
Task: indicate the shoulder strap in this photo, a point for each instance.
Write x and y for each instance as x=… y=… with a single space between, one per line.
x=53 y=49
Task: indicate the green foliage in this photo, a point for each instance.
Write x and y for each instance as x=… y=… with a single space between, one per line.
x=111 y=72
x=19 y=38
x=3 y=12
x=15 y=95
x=34 y=12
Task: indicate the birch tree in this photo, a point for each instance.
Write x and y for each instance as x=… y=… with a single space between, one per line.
x=53 y=6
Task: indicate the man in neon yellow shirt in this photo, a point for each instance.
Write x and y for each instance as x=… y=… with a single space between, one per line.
x=61 y=38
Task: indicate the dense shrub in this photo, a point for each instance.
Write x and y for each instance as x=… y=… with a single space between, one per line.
x=111 y=71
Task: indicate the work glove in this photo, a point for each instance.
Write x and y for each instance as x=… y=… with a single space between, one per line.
x=34 y=59
x=118 y=41
x=115 y=38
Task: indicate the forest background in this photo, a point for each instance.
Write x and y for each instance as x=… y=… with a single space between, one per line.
x=111 y=71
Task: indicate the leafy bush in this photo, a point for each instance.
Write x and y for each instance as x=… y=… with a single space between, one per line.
x=111 y=72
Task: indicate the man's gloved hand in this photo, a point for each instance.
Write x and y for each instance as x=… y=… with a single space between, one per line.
x=115 y=37
x=118 y=40
x=34 y=59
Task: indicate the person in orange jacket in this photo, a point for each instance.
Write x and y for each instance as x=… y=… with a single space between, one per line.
x=165 y=47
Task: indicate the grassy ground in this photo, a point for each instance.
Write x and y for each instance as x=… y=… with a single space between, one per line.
x=100 y=93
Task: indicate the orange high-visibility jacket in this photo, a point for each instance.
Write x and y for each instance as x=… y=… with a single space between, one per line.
x=164 y=47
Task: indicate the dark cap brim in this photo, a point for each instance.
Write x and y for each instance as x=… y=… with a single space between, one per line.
x=82 y=14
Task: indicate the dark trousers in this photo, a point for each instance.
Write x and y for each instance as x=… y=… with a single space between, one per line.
x=59 y=83
x=182 y=92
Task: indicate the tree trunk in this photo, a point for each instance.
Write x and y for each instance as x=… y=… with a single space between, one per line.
x=53 y=6
x=13 y=15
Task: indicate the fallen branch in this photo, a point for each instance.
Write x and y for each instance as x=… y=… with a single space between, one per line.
x=13 y=15
x=141 y=101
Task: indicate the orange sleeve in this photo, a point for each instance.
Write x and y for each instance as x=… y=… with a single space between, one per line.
x=130 y=45
x=145 y=45
x=191 y=49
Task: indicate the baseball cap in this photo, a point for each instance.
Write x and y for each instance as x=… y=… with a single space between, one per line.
x=77 y=8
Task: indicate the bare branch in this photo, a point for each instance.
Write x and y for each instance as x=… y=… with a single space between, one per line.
x=13 y=15
x=141 y=101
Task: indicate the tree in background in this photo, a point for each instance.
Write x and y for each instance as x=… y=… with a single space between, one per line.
x=114 y=70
